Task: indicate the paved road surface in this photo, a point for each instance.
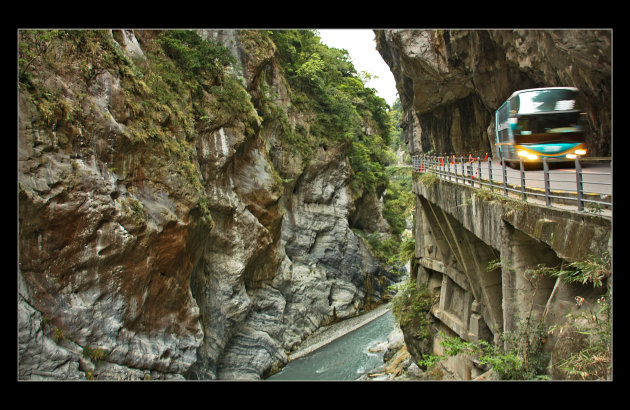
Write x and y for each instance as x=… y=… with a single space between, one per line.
x=597 y=176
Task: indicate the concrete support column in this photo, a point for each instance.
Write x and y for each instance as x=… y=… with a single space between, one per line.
x=523 y=294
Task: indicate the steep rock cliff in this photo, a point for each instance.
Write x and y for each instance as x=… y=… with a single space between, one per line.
x=166 y=227
x=451 y=81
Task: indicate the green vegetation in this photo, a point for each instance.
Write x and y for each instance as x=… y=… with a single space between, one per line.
x=524 y=360
x=59 y=335
x=412 y=303
x=595 y=209
x=95 y=354
x=195 y=57
x=398 y=247
x=397 y=142
x=509 y=365
x=182 y=88
x=33 y=49
x=524 y=357
x=595 y=360
x=592 y=270
x=324 y=82
x=428 y=178
x=382 y=246
x=185 y=86
x=486 y=194
x=134 y=208
x=399 y=199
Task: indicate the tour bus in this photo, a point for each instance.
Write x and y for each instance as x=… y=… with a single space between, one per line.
x=540 y=122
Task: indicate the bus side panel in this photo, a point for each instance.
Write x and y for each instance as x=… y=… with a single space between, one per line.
x=510 y=152
x=504 y=138
x=496 y=134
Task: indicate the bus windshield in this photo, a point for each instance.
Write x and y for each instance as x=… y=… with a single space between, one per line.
x=537 y=101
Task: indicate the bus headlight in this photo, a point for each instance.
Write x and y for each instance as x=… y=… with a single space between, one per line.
x=580 y=151
x=571 y=156
x=527 y=155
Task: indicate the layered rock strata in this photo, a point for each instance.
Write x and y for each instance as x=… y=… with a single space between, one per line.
x=150 y=248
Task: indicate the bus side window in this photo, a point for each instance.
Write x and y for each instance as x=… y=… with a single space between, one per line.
x=514 y=104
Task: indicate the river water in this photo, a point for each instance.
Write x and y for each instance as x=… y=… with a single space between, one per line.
x=346 y=358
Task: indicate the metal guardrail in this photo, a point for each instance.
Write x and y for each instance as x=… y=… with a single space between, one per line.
x=469 y=170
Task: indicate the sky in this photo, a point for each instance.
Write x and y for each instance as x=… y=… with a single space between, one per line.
x=361 y=47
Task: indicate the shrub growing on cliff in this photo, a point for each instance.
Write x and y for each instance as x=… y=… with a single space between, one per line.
x=524 y=360
x=32 y=46
x=95 y=354
x=428 y=178
x=595 y=360
x=324 y=82
x=506 y=364
x=592 y=270
x=399 y=200
x=411 y=302
x=194 y=55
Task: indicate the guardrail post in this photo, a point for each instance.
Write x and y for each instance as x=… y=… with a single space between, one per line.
x=522 y=179
x=448 y=168
x=464 y=170
x=504 y=172
x=455 y=166
x=490 y=174
x=445 y=166
x=578 y=178
x=479 y=171
x=546 y=178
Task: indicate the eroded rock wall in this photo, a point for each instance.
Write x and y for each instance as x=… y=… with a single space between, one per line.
x=153 y=248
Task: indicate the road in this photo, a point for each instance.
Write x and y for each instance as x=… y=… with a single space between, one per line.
x=597 y=176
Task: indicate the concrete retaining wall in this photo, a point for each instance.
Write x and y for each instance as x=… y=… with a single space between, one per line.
x=459 y=232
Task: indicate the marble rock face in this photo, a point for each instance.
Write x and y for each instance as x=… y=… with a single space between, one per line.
x=132 y=265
